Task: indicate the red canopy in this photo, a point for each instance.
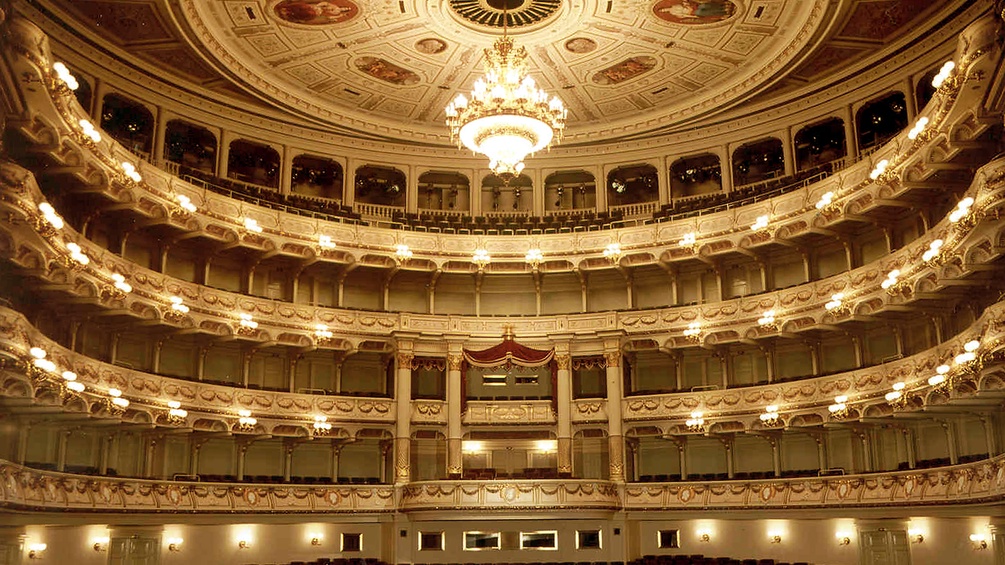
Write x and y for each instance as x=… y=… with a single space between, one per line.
x=508 y=351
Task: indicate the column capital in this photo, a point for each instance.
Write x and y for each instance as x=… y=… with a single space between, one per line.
x=612 y=358
x=454 y=361
x=563 y=361
x=404 y=359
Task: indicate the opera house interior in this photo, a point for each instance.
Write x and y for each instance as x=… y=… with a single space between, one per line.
x=544 y=282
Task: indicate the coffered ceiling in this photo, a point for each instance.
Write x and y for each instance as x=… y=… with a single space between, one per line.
x=388 y=67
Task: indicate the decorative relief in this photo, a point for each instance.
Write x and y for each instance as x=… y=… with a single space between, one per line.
x=509 y=412
x=315 y=12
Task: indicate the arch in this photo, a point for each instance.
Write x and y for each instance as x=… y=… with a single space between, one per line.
x=696 y=175
x=190 y=145
x=375 y=184
x=512 y=195
x=820 y=143
x=758 y=160
x=570 y=190
x=444 y=190
x=253 y=162
x=320 y=177
x=633 y=184
x=880 y=119
x=128 y=122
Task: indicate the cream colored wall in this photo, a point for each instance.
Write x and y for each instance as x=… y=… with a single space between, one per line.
x=812 y=540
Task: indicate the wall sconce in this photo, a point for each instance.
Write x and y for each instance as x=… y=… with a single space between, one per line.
x=980 y=541
x=246 y=423
x=693 y=332
x=696 y=423
x=844 y=538
x=322 y=426
x=402 y=253
x=36 y=550
x=534 y=258
x=774 y=537
x=174 y=544
x=839 y=410
x=100 y=544
x=481 y=258
x=915 y=536
x=704 y=536
x=316 y=538
x=244 y=543
x=613 y=252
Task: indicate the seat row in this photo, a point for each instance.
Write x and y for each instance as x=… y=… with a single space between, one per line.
x=718 y=201
x=320 y=208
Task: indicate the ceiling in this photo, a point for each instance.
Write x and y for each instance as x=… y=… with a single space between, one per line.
x=388 y=67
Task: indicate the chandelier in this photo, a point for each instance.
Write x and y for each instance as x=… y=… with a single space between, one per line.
x=508 y=117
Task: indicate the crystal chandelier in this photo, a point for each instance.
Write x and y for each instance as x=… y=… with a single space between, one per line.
x=508 y=117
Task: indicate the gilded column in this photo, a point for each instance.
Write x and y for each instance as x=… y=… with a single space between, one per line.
x=454 y=458
x=563 y=395
x=403 y=417
x=616 y=448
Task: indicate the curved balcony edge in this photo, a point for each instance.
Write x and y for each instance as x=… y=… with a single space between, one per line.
x=981 y=482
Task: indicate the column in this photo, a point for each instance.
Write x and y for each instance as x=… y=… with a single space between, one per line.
x=403 y=415
x=726 y=168
x=242 y=452
x=909 y=445
x=148 y=456
x=863 y=436
x=61 y=441
x=349 y=184
x=727 y=443
x=612 y=354
x=989 y=435
x=912 y=107
x=563 y=400
x=788 y=150
x=682 y=456
x=160 y=131
x=223 y=155
x=454 y=457
x=776 y=455
x=851 y=140
x=951 y=442
x=821 y=451
x=601 y=188
x=195 y=445
x=286 y=170
x=156 y=362
x=663 y=179
x=537 y=193
x=22 y=441
x=412 y=189
x=336 y=451
x=105 y=448
x=288 y=447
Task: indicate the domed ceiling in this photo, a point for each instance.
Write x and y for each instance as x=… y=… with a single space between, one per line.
x=387 y=68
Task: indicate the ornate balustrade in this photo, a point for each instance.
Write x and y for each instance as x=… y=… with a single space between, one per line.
x=981 y=482
x=216 y=408
x=53 y=124
x=29 y=489
x=969 y=246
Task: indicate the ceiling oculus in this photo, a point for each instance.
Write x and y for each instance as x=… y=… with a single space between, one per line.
x=515 y=13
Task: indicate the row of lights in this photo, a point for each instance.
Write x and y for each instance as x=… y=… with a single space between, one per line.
x=481 y=258
x=839 y=409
